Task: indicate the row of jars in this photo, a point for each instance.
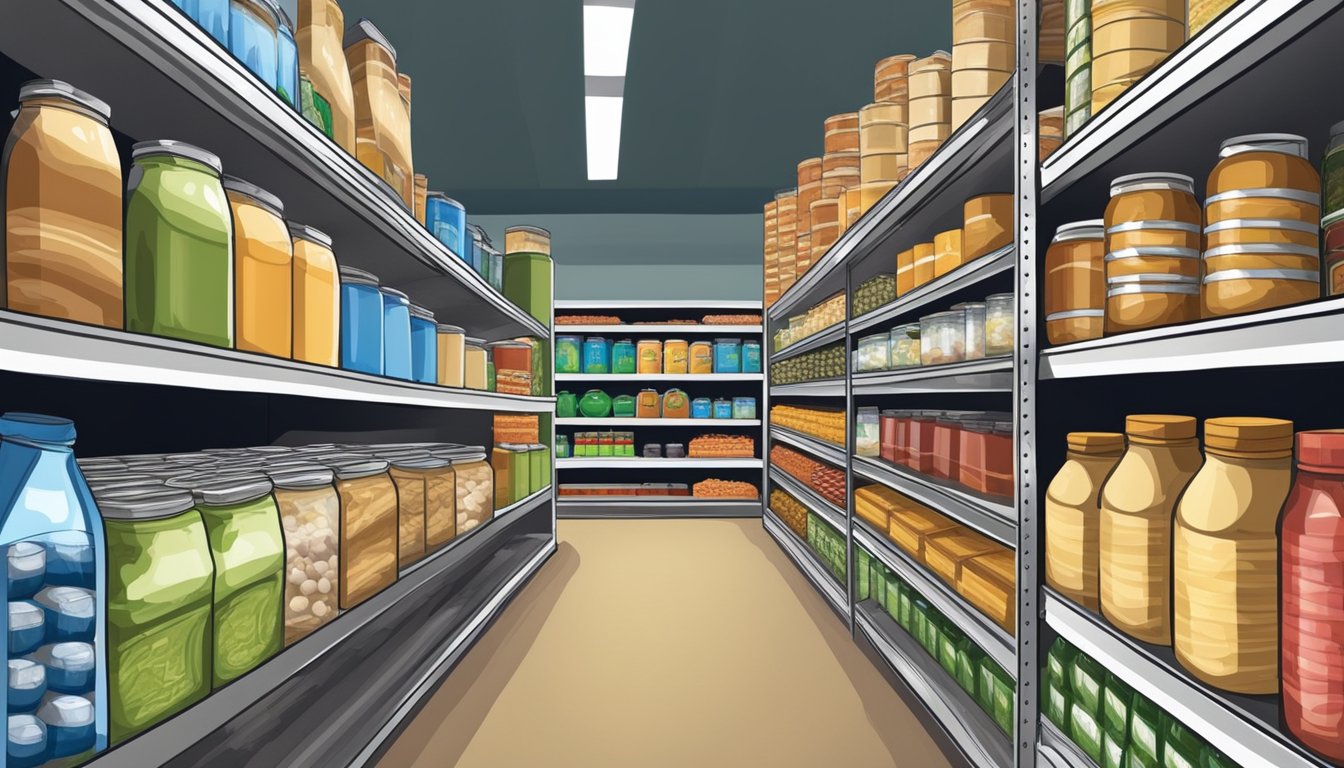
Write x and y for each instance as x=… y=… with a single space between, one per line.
x=222 y=558
x=968 y=331
x=1225 y=556
x=973 y=449
x=1160 y=258
x=598 y=355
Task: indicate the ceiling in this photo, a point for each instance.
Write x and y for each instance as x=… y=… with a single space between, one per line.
x=722 y=97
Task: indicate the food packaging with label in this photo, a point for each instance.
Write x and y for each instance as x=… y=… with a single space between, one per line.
x=474 y=364
x=1073 y=516
x=397 y=354
x=382 y=126
x=527 y=279
x=475 y=489
x=361 y=322
x=1075 y=287
x=321 y=25
x=369 y=527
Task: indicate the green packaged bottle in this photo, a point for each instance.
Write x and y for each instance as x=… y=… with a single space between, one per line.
x=905 y=615
x=862 y=573
x=968 y=667
x=1057 y=703
x=895 y=588
x=179 y=245
x=1116 y=701
x=949 y=650
x=1086 y=680
x=160 y=578
x=999 y=694
x=878 y=583
x=1059 y=660
x=1112 y=749
x=243 y=527
x=919 y=610
x=1145 y=734
x=1085 y=729
x=1180 y=747
x=932 y=635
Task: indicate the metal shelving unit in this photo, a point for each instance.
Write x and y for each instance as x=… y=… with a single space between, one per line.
x=822 y=388
x=661 y=463
x=580 y=421
x=994 y=518
x=834 y=515
x=820 y=449
x=825 y=337
x=660 y=378
x=993 y=374
x=822 y=579
x=1058 y=751
x=964 y=276
x=616 y=507
x=660 y=329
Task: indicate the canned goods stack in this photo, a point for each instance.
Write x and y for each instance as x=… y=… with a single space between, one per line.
x=1129 y=39
x=1075 y=282
x=883 y=150
x=984 y=53
x=1077 y=64
x=930 y=105
x=771 y=232
x=1152 y=252
x=809 y=191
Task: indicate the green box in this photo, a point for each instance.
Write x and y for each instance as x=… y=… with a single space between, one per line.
x=906 y=613
x=968 y=667
x=1180 y=747
x=862 y=571
x=1145 y=733
x=997 y=694
x=1060 y=659
x=1085 y=731
x=895 y=588
x=1112 y=750
x=933 y=632
x=948 y=649
x=1116 y=701
x=1086 y=680
x=1057 y=703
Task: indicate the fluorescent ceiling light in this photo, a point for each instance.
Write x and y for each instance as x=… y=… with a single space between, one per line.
x=603 y=116
x=606 y=39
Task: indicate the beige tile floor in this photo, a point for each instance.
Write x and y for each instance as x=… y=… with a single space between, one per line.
x=662 y=643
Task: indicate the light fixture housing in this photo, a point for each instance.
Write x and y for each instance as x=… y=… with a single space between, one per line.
x=606 y=47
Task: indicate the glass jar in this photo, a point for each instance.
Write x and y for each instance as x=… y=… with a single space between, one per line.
x=1224 y=548
x=568 y=350
x=242 y=525
x=158 y=608
x=1313 y=608
x=527 y=279
x=254 y=28
x=452 y=350
x=63 y=208
x=702 y=408
x=744 y=408
x=317 y=297
x=263 y=267
x=942 y=338
x=424 y=346
x=675 y=353
x=211 y=15
x=919 y=454
x=286 y=61
x=975 y=328
x=310 y=514
x=1073 y=516
x=904 y=344
x=701 y=357
x=727 y=355
x=473 y=243
x=497 y=269
x=369 y=527
x=867 y=433
x=1334 y=252
x=1075 y=283
x=751 y=357
x=512 y=467
x=321 y=23
x=179 y=240
x=56 y=559
x=723 y=409
x=596 y=358
x=446 y=219
x=396 y=333
x=382 y=127
x=1000 y=325
x=650 y=356
x=474 y=365
x=562 y=449
x=873 y=354
x=475 y=490
x=1137 y=507
x=361 y=322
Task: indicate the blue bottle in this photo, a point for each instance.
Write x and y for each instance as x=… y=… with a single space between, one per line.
x=253 y=39
x=211 y=15
x=424 y=346
x=45 y=503
x=287 y=62
x=446 y=219
x=396 y=334
x=361 y=322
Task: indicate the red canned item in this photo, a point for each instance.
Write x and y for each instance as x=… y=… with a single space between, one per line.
x=1334 y=252
x=920 y=446
x=890 y=421
x=946 y=447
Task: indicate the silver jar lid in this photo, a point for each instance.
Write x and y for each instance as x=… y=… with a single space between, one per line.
x=422 y=313
x=357 y=275
x=177 y=149
x=1138 y=182
x=1090 y=229
x=366 y=30
x=217 y=490
x=147 y=503
x=252 y=191
x=59 y=89
x=1282 y=143
x=311 y=234
x=300 y=477
x=445 y=328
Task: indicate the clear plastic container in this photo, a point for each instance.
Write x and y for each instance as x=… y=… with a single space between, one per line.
x=310 y=514
x=975 y=328
x=867 y=433
x=369 y=532
x=396 y=333
x=942 y=338
x=475 y=358
x=475 y=490
x=361 y=322
x=904 y=344
x=1000 y=325
x=874 y=353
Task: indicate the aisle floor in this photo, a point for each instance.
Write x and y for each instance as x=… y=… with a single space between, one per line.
x=660 y=643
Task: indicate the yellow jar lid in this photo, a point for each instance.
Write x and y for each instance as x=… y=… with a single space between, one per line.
x=1160 y=427
x=1248 y=434
x=1096 y=442
x=527 y=240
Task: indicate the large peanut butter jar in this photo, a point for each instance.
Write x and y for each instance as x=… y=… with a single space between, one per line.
x=1073 y=516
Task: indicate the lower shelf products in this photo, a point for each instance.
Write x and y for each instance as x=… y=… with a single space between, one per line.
x=827 y=481
x=828 y=544
x=789 y=510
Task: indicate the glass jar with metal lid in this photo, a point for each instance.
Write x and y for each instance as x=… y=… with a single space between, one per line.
x=317 y=297
x=396 y=333
x=1153 y=226
x=263 y=266
x=63 y=204
x=310 y=514
x=361 y=322
x=286 y=60
x=528 y=270
x=475 y=358
x=446 y=219
x=179 y=240
x=1075 y=282
x=158 y=608
x=975 y=312
x=254 y=28
x=942 y=338
x=424 y=346
x=1000 y=324
x=406 y=465
x=452 y=350
x=369 y=529
x=242 y=525
x=513 y=366
x=475 y=488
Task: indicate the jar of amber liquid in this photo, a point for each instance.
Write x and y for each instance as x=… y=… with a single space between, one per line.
x=263 y=258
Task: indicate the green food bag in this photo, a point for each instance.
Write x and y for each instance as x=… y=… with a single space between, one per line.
x=1085 y=682
x=949 y=648
x=1180 y=748
x=1145 y=733
x=1057 y=703
x=906 y=615
x=1212 y=758
x=1060 y=658
x=932 y=632
x=878 y=582
x=1116 y=701
x=1005 y=699
x=1112 y=750
x=1085 y=731
x=862 y=572
x=920 y=609
x=968 y=667
x=895 y=588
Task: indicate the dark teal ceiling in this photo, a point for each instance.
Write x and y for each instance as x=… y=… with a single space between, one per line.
x=722 y=97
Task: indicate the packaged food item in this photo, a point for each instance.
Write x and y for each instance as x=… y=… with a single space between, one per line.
x=446 y=219
x=451 y=343
x=527 y=279
x=310 y=514
x=179 y=260
x=942 y=338
x=751 y=357
x=382 y=129
x=676 y=404
x=702 y=408
x=912 y=525
x=539 y=474
x=1073 y=516
x=1226 y=615
x=286 y=60
x=987 y=225
x=866 y=433
x=424 y=346
x=369 y=528
x=512 y=473
x=744 y=408
x=727 y=355
x=475 y=489
x=1137 y=506
x=905 y=272
x=947 y=252
x=316 y=316
x=874 y=293
x=475 y=359
x=63 y=207
x=675 y=356
x=923 y=257
x=975 y=328
x=905 y=346
x=701 y=357
x=989 y=581
x=263 y=270
x=723 y=409
x=513 y=366
x=650 y=352
x=253 y=37
x=361 y=322
x=930 y=105
x=1128 y=41
x=1313 y=606
x=242 y=526
x=321 y=24
x=568 y=351
x=397 y=347
x=1075 y=283
x=873 y=354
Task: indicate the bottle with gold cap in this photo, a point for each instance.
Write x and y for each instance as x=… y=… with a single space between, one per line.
x=1225 y=555
x=1137 y=506
x=1073 y=516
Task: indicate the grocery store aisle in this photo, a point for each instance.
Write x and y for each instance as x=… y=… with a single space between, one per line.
x=656 y=643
